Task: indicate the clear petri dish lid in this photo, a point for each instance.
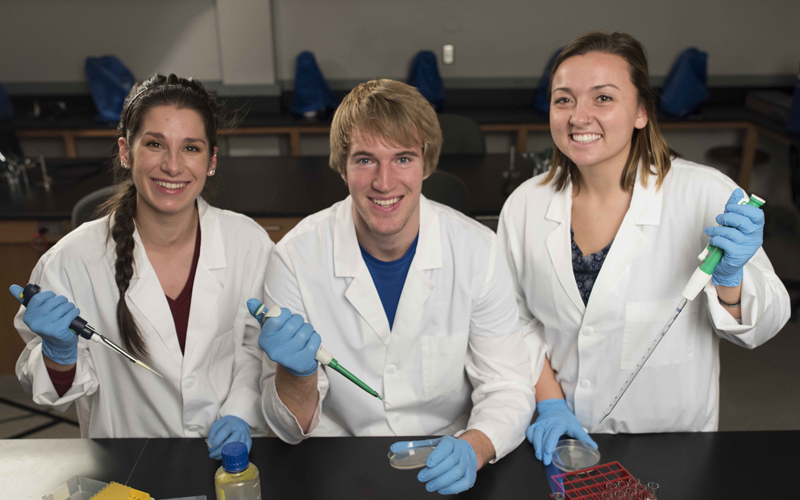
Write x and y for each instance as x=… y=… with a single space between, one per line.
x=571 y=455
x=411 y=457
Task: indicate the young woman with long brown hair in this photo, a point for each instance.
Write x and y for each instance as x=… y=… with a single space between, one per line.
x=602 y=245
x=165 y=275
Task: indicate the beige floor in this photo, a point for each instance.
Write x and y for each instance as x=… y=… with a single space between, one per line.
x=14 y=421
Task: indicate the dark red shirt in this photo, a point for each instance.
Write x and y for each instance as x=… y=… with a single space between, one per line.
x=62 y=381
x=179 y=307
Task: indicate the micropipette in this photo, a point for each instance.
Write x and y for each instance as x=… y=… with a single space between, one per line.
x=79 y=326
x=323 y=355
x=710 y=257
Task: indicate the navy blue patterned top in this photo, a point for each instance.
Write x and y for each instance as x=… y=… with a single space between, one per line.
x=586 y=268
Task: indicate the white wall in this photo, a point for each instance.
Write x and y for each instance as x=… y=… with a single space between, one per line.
x=360 y=39
x=49 y=40
x=232 y=40
x=245 y=28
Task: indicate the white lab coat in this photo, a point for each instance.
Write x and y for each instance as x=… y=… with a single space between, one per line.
x=454 y=358
x=593 y=348
x=218 y=374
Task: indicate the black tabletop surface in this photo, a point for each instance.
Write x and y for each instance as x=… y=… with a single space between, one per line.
x=709 y=112
x=735 y=465
x=282 y=186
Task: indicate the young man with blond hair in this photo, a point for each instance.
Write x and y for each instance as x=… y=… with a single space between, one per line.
x=410 y=295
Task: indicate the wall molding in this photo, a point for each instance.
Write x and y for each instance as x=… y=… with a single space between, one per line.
x=275 y=89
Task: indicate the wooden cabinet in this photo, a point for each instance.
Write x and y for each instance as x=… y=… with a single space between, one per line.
x=18 y=256
x=277 y=227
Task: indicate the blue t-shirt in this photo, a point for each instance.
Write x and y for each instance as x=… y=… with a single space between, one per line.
x=389 y=277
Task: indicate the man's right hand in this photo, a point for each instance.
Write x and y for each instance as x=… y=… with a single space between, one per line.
x=289 y=341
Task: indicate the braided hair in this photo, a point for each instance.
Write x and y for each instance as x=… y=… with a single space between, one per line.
x=157 y=91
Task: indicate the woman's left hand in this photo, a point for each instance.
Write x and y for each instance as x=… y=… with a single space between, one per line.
x=740 y=235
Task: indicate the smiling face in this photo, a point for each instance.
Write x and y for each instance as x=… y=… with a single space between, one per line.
x=170 y=158
x=385 y=182
x=594 y=109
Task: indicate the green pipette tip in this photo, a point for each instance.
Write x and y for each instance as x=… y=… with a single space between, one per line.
x=369 y=390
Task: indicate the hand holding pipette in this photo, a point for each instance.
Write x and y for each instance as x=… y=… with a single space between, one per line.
x=723 y=260
x=293 y=344
x=53 y=318
x=288 y=340
x=739 y=235
x=742 y=240
x=49 y=316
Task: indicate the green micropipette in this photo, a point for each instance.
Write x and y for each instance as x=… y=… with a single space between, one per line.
x=323 y=355
x=710 y=257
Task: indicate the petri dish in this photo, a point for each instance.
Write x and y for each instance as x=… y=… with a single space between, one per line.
x=412 y=457
x=571 y=455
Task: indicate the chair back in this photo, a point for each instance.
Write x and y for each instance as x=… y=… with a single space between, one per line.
x=447 y=189
x=86 y=208
x=462 y=135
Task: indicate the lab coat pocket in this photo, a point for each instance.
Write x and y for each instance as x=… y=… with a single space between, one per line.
x=221 y=364
x=643 y=322
x=442 y=364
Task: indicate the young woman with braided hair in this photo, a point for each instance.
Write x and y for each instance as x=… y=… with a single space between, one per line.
x=163 y=274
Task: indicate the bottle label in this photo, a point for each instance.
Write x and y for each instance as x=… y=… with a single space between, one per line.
x=220 y=493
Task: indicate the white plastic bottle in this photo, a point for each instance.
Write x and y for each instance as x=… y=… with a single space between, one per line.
x=237 y=479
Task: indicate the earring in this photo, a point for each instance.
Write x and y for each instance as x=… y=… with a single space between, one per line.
x=211 y=172
x=124 y=165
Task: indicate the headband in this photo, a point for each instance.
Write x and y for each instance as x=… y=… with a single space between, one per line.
x=184 y=83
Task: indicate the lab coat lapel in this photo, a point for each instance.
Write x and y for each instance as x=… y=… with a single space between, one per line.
x=645 y=209
x=559 y=244
x=146 y=295
x=208 y=288
x=418 y=286
x=348 y=262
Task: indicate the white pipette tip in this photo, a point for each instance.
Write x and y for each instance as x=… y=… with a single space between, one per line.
x=272 y=312
x=147 y=367
x=388 y=403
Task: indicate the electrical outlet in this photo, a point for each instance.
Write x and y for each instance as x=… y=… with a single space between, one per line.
x=448 y=54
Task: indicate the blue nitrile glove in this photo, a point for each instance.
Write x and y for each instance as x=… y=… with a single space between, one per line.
x=48 y=315
x=739 y=235
x=289 y=341
x=554 y=421
x=228 y=429
x=451 y=467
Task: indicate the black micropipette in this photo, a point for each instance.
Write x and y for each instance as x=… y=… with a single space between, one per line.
x=80 y=326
